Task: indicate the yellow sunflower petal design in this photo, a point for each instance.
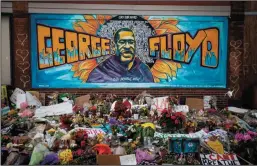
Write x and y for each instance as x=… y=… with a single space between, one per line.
x=75 y=66
x=87 y=27
x=160 y=31
x=87 y=64
x=163 y=68
x=172 y=21
x=92 y=21
x=172 y=65
x=156 y=79
x=158 y=73
x=170 y=28
x=101 y=19
x=77 y=27
x=155 y=23
x=85 y=74
x=77 y=73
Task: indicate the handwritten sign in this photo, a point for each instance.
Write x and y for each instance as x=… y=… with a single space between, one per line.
x=128 y=160
x=181 y=108
x=206 y=102
x=32 y=100
x=198 y=134
x=160 y=103
x=17 y=91
x=57 y=109
x=92 y=132
x=20 y=98
x=219 y=159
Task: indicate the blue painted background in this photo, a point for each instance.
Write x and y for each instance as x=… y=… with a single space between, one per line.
x=189 y=76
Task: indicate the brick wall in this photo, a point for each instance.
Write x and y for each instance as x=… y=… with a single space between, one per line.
x=22 y=61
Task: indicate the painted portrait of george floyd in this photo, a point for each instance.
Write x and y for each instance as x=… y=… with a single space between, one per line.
x=124 y=66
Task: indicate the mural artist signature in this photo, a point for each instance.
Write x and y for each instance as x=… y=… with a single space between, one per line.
x=126 y=79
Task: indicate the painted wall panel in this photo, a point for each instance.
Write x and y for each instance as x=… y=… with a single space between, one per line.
x=128 y=51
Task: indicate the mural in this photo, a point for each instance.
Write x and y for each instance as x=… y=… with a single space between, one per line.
x=126 y=51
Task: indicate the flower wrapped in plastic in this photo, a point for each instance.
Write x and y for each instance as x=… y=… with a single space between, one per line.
x=38 y=154
x=65 y=156
x=102 y=149
x=51 y=159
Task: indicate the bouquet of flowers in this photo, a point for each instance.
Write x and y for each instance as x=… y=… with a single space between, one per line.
x=191 y=126
x=77 y=109
x=119 y=109
x=66 y=121
x=65 y=156
x=143 y=111
x=171 y=121
x=80 y=136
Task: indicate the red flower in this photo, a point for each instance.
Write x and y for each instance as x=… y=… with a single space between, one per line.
x=163 y=124
x=168 y=115
x=83 y=144
x=127 y=104
x=164 y=111
x=173 y=117
x=79 y=152
x=93 y=108
x=176 y=121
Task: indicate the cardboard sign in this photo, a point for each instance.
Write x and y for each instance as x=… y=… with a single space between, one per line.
x=108 y=160
x=182 y=108
x=34 y=93
x=57 y=109
x=20 y=98
x=160 y=103
x=128 y=160
x=206 y=102
x=42 y=98
x=32 y=100
x=194 y=103
x=80 y=101
x=17 y=91
x=219 y=159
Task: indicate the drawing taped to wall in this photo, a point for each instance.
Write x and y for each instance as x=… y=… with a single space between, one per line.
x=127 y=51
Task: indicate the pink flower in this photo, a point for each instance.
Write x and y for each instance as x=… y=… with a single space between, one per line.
x=252 y=133
x=79 y=152
x=247 y=137
x=164 y=111
x=239 y=137
x=173 y=117
x=26 y=113
x=176 y=121
x=83 y=144
x=23 y=105
x=164 y=124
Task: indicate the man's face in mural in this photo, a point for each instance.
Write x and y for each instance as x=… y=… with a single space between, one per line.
x=125 y=45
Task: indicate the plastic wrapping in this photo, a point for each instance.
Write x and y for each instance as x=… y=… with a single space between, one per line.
x=251 y=118
x=38 y=154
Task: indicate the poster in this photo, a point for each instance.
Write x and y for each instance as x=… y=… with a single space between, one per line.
x=128 y=51
x=219 y=159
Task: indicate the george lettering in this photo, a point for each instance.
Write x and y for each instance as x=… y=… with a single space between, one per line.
x=58 y=46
